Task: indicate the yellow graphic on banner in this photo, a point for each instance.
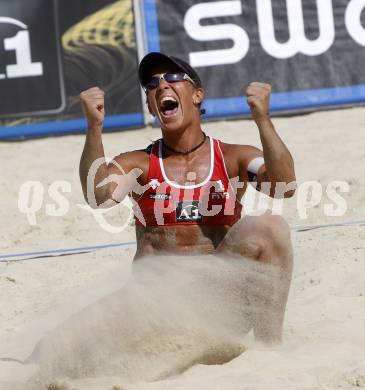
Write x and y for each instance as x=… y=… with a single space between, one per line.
x=112 y=25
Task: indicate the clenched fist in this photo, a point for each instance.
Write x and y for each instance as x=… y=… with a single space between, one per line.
x=92 y=102
x=258 y=98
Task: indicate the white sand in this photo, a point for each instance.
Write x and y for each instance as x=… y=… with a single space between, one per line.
x=324 y=338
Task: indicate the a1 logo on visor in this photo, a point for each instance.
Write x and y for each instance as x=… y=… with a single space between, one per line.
x=188 y=211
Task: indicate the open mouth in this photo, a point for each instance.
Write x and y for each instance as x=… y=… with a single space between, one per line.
x=169 y=106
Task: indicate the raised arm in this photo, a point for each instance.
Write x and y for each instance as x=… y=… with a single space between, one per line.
x=103 y=184
x=92 y=102
x=279 y=164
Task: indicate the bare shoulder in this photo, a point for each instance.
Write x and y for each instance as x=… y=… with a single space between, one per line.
x=133 y=159
x=238 y=156
x=128 y=161
x=237 y=149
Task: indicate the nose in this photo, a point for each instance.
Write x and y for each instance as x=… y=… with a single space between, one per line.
x=163 y=84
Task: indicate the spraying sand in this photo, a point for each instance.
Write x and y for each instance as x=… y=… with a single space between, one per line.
x=172 y=313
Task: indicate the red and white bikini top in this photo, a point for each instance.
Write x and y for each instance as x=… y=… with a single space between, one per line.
x=166 y=203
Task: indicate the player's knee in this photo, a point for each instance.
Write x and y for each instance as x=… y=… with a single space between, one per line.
x=266 y=233
x=269 y=225
x=275 y=227
x=277 y=236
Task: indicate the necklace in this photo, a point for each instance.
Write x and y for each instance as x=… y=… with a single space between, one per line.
x=186 y=151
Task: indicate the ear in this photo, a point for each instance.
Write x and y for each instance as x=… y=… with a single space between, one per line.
x=198 y=96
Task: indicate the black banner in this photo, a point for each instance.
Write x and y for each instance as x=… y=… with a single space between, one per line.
x=99 y=46
x=292 y=44
x=52 y=50
x=311 y=51
x=31 y=79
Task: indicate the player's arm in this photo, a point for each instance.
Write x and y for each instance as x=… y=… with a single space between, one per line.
x=279 y=164
x=99 y=179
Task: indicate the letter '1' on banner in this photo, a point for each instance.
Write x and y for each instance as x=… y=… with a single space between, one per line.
x=31 y=79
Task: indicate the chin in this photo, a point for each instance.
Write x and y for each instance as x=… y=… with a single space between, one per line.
x=171 y=124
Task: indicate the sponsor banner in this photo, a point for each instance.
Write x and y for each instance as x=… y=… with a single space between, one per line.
x=31 y=77
x=52 y=50
x=311 y=52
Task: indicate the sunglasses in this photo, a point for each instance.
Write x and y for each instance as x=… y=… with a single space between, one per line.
x=168 y=77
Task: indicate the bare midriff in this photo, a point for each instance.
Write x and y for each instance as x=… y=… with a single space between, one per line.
x=179 y=240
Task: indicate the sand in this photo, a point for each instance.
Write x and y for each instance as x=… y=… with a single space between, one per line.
x=324 y=340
